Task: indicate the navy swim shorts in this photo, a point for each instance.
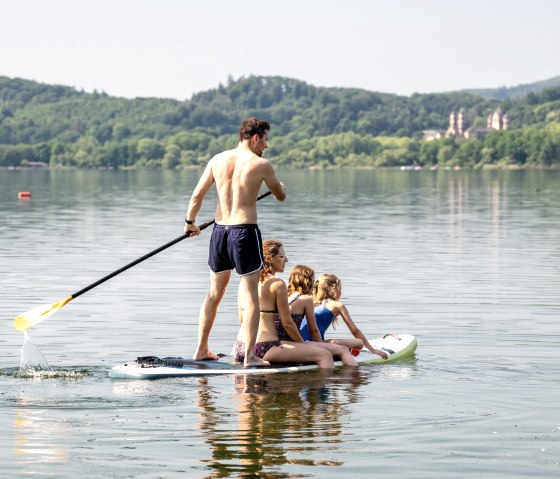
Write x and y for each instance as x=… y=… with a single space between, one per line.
x=235 y=246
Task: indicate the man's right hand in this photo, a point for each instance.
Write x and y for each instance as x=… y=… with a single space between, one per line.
x=191 y=230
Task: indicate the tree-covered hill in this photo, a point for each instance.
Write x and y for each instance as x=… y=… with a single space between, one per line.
x=518 y=91
x=310 y=125
x=32 y=112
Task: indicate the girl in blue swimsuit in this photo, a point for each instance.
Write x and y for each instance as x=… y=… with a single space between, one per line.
x=300 y=290
x=273 y=300
x=328 y=307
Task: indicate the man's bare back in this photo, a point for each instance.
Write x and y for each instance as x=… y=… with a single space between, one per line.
x=238 y=176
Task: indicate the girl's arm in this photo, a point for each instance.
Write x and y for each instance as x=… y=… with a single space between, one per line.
x=339 y=308
x=281 y=292
x=309 y=312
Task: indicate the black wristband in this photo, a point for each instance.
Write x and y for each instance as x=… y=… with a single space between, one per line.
x=189 y=222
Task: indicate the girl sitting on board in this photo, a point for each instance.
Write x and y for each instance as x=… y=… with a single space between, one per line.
x=300 y=299
x=326 y=298
x=273 y=300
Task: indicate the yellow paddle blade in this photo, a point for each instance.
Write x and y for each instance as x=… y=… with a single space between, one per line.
x=36 y=315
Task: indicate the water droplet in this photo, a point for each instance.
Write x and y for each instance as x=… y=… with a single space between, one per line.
x=31 y=357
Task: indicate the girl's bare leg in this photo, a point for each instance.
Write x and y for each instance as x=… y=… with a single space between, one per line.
x=349 y=343
x=338 y=351
x=299 y=352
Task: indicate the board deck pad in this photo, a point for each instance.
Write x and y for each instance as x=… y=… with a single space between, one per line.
x=154 y=367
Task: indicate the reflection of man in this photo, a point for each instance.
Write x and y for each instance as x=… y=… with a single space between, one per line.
x=236 y=239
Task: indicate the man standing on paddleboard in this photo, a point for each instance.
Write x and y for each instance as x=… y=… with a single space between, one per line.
x=236 y=240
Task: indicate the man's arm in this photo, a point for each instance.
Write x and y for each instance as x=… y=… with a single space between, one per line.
x=276 y=187
x=202 y=187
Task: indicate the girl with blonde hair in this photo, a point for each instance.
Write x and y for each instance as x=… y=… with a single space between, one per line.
x=327 y=291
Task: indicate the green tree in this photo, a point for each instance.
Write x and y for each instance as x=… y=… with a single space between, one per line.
x=428 y=154
x=172 y=157
x=120 y=131
x=468 y=153
x=445 y=153
x=149 y=149
x=87 y=152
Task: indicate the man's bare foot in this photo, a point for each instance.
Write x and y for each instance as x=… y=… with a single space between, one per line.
x=205 y=356
x=255 y=362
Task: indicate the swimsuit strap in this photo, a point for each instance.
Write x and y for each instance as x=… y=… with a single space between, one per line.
x=295 y=297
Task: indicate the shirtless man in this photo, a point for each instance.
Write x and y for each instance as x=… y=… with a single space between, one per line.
x=236 y=240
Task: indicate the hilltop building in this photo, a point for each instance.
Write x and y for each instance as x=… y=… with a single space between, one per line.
x=457 y=122
x=497 y=120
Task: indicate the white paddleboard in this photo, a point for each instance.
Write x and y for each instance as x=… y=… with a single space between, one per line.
x=152 y=367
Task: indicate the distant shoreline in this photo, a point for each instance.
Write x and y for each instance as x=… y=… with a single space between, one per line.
x=406 y=168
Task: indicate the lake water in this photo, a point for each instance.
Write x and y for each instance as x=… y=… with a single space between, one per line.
x=468 y=262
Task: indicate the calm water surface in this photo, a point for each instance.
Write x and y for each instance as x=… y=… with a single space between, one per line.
x=469 y=262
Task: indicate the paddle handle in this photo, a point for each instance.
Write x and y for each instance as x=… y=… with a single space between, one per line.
x=148 y=255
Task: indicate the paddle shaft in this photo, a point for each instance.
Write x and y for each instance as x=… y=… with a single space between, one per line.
x=148 y=255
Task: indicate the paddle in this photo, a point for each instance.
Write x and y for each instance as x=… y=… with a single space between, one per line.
x=36 y=315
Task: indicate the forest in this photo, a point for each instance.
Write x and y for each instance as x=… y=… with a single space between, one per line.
x=311 y=127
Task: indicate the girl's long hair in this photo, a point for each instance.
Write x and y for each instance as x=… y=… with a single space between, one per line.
x=301 y=280
x=326 y=287
x=270 y=250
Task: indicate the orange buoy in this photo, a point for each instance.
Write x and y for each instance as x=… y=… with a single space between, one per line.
x=24 y=194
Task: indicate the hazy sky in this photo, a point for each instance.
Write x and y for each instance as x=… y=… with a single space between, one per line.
x=174 y=48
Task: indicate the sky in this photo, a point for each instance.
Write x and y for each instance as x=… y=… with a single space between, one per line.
x=174 y=48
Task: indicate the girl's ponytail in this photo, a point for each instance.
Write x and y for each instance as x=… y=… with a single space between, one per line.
x=325 y=288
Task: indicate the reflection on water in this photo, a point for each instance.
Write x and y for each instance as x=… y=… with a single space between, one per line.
x=281 y=419
x=39 y=438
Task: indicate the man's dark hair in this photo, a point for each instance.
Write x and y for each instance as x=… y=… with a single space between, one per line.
x=252 y=126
